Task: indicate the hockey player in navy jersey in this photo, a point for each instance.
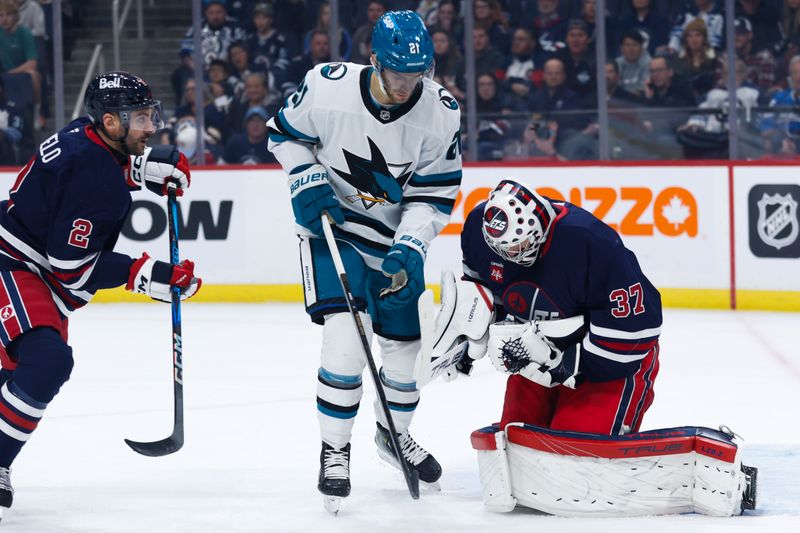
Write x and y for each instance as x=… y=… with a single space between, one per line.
x=378 y=147
x=58 y=229
x=576 y=321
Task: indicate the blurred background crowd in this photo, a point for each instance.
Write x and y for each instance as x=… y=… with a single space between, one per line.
x=535 y=72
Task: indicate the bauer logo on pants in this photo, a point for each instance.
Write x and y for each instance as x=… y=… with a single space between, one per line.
x=773 y=223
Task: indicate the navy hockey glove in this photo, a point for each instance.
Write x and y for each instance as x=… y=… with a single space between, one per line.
x=157 y=167
x=311 y=195
x=405 y=266
x=156 y=278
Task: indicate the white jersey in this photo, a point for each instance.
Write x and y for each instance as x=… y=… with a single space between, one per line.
x=396 y=171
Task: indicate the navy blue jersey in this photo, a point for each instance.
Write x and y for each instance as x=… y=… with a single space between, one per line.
x=64 y=215
x=582 y=269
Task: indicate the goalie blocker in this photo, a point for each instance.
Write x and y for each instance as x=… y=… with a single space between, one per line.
x=665 y=471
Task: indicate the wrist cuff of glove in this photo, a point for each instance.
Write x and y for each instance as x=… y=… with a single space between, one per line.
x=307 y=176
x=418 y=245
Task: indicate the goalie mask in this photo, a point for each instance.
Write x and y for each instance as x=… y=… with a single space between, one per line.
x=516 y=222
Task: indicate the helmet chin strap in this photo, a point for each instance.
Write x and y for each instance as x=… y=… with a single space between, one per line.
x=378 y=69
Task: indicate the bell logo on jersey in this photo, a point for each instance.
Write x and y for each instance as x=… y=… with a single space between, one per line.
x=495 y=222
x=110 y=83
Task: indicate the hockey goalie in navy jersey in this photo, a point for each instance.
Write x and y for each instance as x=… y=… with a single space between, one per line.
x=378 y=148
x=554 y=298
x=58 y=229
x=553 y=261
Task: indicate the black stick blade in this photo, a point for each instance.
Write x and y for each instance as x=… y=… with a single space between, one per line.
x=413 y=484
x=158 y=448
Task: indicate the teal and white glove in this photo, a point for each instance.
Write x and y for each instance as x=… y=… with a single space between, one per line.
x=406 y=266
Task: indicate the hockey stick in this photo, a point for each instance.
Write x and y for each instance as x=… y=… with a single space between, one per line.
x=174 y=442
x=411 y=476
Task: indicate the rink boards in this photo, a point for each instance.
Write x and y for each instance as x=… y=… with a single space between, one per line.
x=708 y=235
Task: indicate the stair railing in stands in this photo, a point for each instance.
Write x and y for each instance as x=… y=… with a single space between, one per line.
x=97 y=65
x=118 y=21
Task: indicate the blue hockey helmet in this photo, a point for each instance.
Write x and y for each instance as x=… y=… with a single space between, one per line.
x=401 y=43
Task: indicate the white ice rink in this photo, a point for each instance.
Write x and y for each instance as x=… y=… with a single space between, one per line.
x=251 y=455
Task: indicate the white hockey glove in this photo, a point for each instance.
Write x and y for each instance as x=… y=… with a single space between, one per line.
x=458 y=335
x=530 y=349
x=157 y=167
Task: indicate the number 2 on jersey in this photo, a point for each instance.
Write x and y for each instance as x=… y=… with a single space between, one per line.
x=79 y=236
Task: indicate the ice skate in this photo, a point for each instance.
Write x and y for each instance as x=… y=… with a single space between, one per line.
x=334 y=476
x=6 y=490
x=415 y=456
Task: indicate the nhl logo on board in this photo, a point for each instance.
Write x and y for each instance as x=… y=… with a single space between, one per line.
x=774 y=223
x=6 y=313
x=385 y=114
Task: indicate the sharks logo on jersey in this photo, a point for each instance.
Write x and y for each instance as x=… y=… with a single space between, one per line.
x=376 y=181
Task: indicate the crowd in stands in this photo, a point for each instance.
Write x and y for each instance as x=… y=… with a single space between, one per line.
x=26 y=70
x=535 y=73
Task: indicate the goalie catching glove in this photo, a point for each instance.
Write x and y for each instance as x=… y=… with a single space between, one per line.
x=531 y=349
x=156 y=278
x=159 y=166
x=458 y=334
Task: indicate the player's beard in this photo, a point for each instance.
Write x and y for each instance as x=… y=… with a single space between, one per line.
x=136 y=143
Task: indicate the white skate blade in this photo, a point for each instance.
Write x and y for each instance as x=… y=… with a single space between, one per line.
x=332 y=504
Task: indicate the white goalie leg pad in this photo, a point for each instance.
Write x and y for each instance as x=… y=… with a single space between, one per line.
x=397 y=377
x=669 y=471
x=339 y=388
x=718 y=486
x=493 y=468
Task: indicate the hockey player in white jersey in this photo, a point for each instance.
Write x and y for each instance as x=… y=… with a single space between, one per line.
x=378 y=148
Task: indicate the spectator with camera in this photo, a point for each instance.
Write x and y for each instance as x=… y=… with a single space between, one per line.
x=558 y=102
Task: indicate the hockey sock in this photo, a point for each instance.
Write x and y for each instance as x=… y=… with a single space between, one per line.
x=402 y=399
x=44 y=363
x=338 y=399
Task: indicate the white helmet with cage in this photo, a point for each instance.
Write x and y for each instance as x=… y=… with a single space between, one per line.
x=516 y=222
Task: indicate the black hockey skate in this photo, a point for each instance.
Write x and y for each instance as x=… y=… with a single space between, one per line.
x=6 y=491
x=334 y=476
x=414 y=455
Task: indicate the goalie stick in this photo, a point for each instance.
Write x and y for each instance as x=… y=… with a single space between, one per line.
x=411 y=476
x=174 y=442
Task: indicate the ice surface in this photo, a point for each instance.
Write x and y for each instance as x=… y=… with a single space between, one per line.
x=251 y=455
